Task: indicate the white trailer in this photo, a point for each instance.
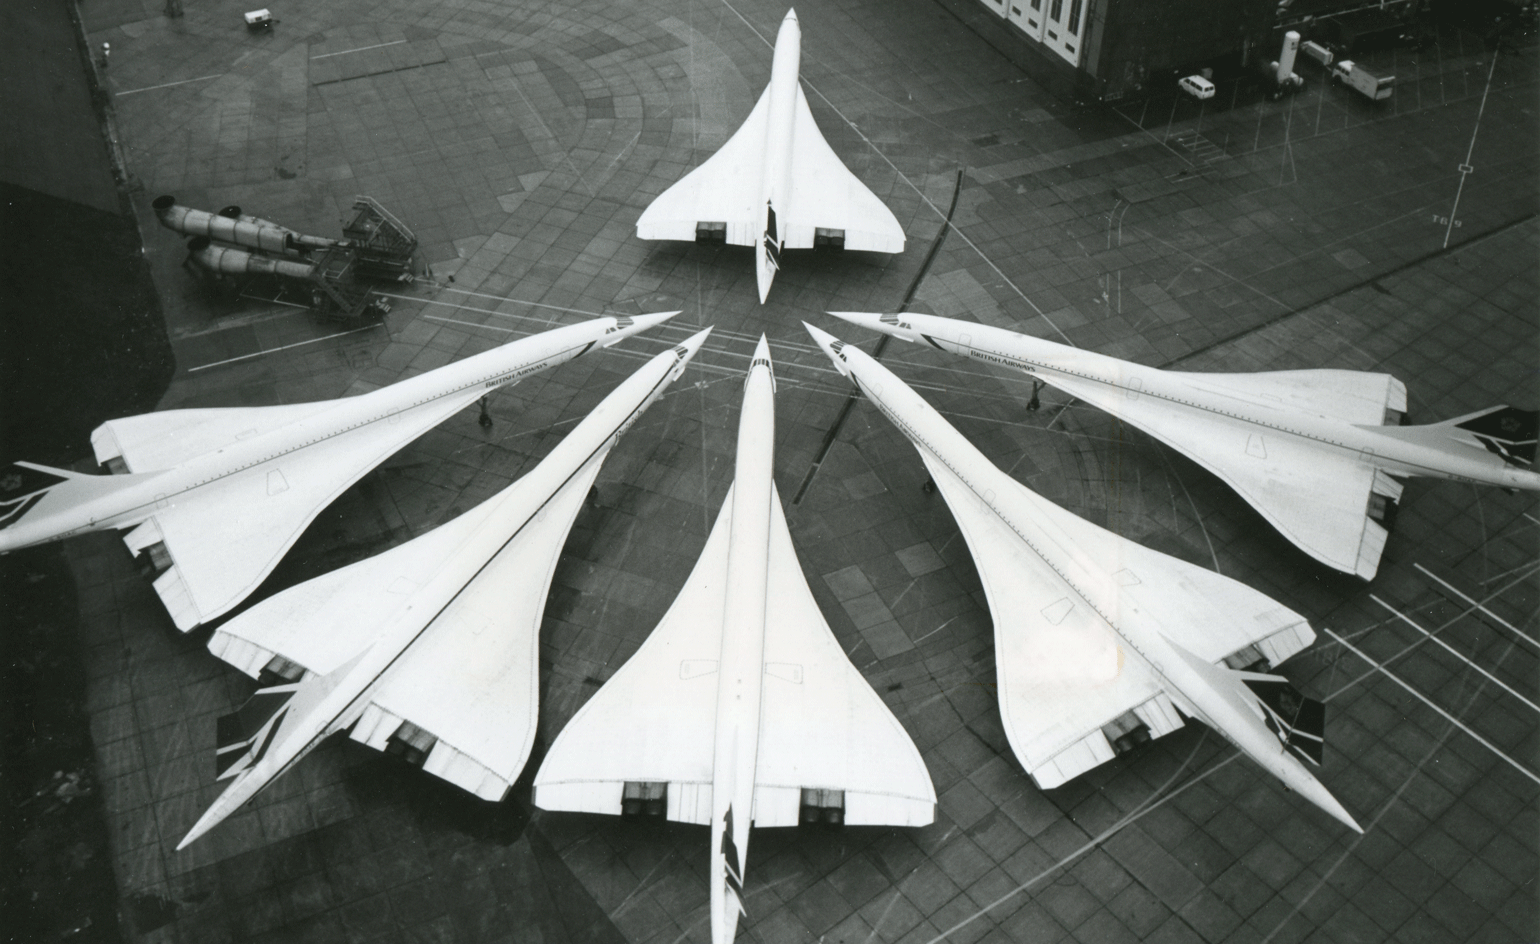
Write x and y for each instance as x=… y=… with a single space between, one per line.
x=1376 y=87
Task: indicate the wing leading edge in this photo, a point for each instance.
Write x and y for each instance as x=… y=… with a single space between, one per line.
x=218 y=543
x=826 y=195
x=1072 y=696
x=724 y=189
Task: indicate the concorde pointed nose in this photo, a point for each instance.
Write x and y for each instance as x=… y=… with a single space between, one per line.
x=643 y=322
x=634 y=324
x=762 y=349
x=692 y=344
x=872 y=321
x=829 y=342
x=788 y=39
x=205 y=823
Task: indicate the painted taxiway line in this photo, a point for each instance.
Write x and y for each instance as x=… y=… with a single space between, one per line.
x=1488 y=675
x=344 y=52
x=1438 y=745
x=489 y=311
x=1097 y=840
x=1480 y=606
x=164 y=85
x=274 y=350
x=1426 y=701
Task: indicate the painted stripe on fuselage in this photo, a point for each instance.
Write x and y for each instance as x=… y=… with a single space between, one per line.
x=16 y=514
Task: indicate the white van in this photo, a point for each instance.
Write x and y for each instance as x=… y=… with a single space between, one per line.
x=1376 y=87
x=1196 y=86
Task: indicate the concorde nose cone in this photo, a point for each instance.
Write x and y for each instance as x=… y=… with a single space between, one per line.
x=638 y=324
x=692 y=344
x=827 y=341
x=643 y=322
x=872 y=321
x=789 y=27
x=762 y=349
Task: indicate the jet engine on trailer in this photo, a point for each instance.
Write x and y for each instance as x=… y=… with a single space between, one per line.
x=230 y=225
x=377 y=248
x=329 y=294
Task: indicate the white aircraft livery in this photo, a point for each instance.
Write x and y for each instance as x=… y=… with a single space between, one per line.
x=741 y=708
x=1100 y=641
x=1315 y=452
x=216 y=497
x=430 y=649
x=776 y=184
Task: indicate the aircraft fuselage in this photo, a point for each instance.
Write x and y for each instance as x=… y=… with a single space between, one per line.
x=1113 y=385
x=1048 y=531
x=775 y=178
x=325 y=705
x=741 y=668
x=447 y=388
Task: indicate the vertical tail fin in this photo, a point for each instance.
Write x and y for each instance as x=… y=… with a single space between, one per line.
x=39 y=490
x=1298 y=721
x=1507 y=432
x=243 y=737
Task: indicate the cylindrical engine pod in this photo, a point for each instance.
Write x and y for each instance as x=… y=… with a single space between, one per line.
x=231 y=226
x=1286 y=57
x=226 y=261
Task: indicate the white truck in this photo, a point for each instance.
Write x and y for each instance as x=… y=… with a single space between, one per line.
x=1376 y=87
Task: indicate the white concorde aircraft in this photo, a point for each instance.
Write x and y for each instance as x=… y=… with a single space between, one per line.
x=776 y=184
x=1313 y=451
x=1099 y=641
x=740 y=708
x=429 y=649
x=216 y=497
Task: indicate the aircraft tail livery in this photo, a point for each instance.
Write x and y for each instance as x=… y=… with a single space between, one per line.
x=40 y=491
x=1506 y=432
